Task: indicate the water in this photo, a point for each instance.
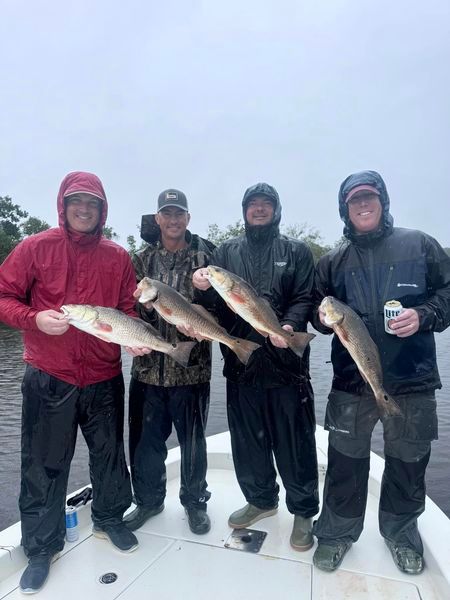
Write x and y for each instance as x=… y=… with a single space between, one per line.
x=12 y=367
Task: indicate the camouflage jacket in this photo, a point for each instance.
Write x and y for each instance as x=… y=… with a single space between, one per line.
x=174 y=269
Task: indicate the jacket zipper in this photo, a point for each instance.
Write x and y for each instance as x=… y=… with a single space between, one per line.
x=373 y=288
x=388 y=283
x=358 y=291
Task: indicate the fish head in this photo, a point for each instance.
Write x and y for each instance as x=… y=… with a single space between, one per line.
x=332 y=310
x=148 y=289
x=219 y=278
x=79 y=313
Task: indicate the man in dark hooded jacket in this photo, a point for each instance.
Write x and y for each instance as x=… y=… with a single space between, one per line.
x=270 y=403
x=375 y=264
x=71 y=378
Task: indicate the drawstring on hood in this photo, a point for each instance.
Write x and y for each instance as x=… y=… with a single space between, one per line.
x=373 y=179
x=82 y=182
x=262 y=233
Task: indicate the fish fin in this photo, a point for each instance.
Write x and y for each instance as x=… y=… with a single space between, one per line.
x=230 y=307
x=181 y=352
x=363 y=376
x=101 y=326
x=244 y=349
x=150 y=327
x=298 y=340
x=204 y=313
x=238 y=298
x=164 y=310
x=342 y=333
x=102 y=337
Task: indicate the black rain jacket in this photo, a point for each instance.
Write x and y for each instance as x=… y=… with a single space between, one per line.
x=281 y=270
x=368 y=270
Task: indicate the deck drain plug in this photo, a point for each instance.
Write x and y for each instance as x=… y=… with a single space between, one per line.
x=108 y=578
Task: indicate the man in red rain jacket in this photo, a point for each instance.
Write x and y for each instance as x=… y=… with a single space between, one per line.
x=71 y=378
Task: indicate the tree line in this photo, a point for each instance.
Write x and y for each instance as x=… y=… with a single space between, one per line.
x=16 y=224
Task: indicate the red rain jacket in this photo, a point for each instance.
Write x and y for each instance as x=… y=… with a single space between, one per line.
x=59 y=267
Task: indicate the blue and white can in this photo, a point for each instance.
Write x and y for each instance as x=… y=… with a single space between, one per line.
x=71 y=524
x=391 y=310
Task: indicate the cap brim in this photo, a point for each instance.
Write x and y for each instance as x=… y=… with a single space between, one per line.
x=361 y=188
x=175 y=205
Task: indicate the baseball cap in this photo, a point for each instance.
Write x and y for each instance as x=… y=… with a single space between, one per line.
x=172 y=198
x=361 y=188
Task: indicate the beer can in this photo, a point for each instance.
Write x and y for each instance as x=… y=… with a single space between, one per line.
x=391 y=309
x=71 y=524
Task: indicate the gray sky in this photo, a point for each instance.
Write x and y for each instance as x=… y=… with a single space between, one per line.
x=212 y=97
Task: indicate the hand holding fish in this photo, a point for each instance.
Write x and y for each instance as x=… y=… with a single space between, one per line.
x=148 y=305
x=278 y=341
x=355 y=337
x=52 y=322
x=406 y=323
x=191 y=319
x=200 y=279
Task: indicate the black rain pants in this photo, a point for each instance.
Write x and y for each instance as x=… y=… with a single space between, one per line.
x=350 y=420
x=276 y=422
x=52 y=410
x=152 y=411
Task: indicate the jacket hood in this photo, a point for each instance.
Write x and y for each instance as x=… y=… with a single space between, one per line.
x=262 y=232
x=88 y=183
x=375 y=180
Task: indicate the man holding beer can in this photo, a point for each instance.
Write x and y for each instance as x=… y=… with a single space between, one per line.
x=398 y=281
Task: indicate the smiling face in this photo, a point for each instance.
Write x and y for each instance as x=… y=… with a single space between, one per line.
x=83 y=212
x=259 y=210
x=173 y=222
x=365 y=211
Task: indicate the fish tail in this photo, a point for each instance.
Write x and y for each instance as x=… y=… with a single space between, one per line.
x=243 y=349
x=181 y=352
x=298 y=340
x=387 y=406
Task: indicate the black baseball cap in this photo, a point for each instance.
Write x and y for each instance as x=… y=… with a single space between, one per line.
x=172 y=198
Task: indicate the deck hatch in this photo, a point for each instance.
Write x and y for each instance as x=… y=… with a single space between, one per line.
x=247 y=540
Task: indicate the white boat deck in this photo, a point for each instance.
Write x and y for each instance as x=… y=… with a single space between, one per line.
x=172 y=563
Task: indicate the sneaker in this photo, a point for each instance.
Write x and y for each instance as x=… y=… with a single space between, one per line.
x=301 y=536
x=406 y=559
x=140 y=515
x=120 y=536
x=328 y=557
x=249 y=514
x=35 y=575
x=198 y=519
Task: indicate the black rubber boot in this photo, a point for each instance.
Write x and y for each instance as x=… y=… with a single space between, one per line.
x=198 y=519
